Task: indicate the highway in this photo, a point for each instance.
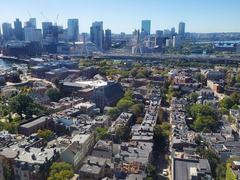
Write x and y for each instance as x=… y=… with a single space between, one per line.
x=166 y=57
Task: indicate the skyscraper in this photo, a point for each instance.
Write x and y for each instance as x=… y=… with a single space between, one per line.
x=32 y=35
x=73 y=30
x=7 y=31
x=159 y=38
x=167 y=33
x=108 y=39
x=173 y=31
x=18 y=30
x=181 y=29
x=97 y=34
x=32 y=22
x=46 y=28
x=146 y=27
x=177 y=41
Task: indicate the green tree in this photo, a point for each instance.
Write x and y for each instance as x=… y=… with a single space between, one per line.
x=102 y=133
x=137 y=109
x=235 y=106
x=166 y=127
x=199 y=77
x=134 y=72
x=193 y=97
x=24 y=104
x=202 y=110
x=221 y=171
x=45 y=134
x=113 y=112
x=11 y=127
x=151 y=170
x=226 y=102
x=229 y=173
x=4 y=110
x=140 y=75
x=161 y=114
x=223 y=111
x=158 y=132
x=60 y=171
x=124 y=104
x=128 y=94
x=235 y=98
x=53 y=94
x=204 y=123
x=16 y=118
x=8 y=171
x=213 y=159
x=161 y=135
x=123 y=133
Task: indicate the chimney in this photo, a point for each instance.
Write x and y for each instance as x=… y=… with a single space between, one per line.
x=18 y=153
x=97 y=163
x=34 y=157
x=27 y=149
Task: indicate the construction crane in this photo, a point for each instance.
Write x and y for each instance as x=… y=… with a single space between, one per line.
x=29 y=14
x=43 y=16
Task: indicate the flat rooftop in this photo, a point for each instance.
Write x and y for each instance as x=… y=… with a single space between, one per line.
x=34 y=122
x=87 y=84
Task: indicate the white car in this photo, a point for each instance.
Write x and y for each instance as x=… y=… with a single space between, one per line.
x=165 y=172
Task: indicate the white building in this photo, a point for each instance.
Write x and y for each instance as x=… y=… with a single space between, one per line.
x=177 y=41
x=77 y=149
x=169 y=42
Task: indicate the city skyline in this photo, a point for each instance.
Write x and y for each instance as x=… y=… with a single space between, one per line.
x=124 y=16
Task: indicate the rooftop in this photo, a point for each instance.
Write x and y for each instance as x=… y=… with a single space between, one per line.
x=34 y=122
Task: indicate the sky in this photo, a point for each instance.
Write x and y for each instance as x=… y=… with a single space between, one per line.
x=126 y=15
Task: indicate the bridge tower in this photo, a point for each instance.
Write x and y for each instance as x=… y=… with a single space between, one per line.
x=137 y=48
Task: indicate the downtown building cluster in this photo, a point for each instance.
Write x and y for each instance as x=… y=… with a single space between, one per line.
x=27 y=39
x=52 y=38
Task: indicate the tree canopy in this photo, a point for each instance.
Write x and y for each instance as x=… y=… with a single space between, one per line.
x=227 y=102
x=123 y=133
x=45 y=134
x=205 y=117
x=102 y=133
x=113 y=112
x=60 y=171
x=202 y=110
x=53 y=94
x=161 y=134
x=213 y=160
x=193 y=97
x=204 y=123
x=24 y=104
x=137 y=109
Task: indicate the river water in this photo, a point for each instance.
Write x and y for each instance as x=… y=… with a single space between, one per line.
x=5 y=64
